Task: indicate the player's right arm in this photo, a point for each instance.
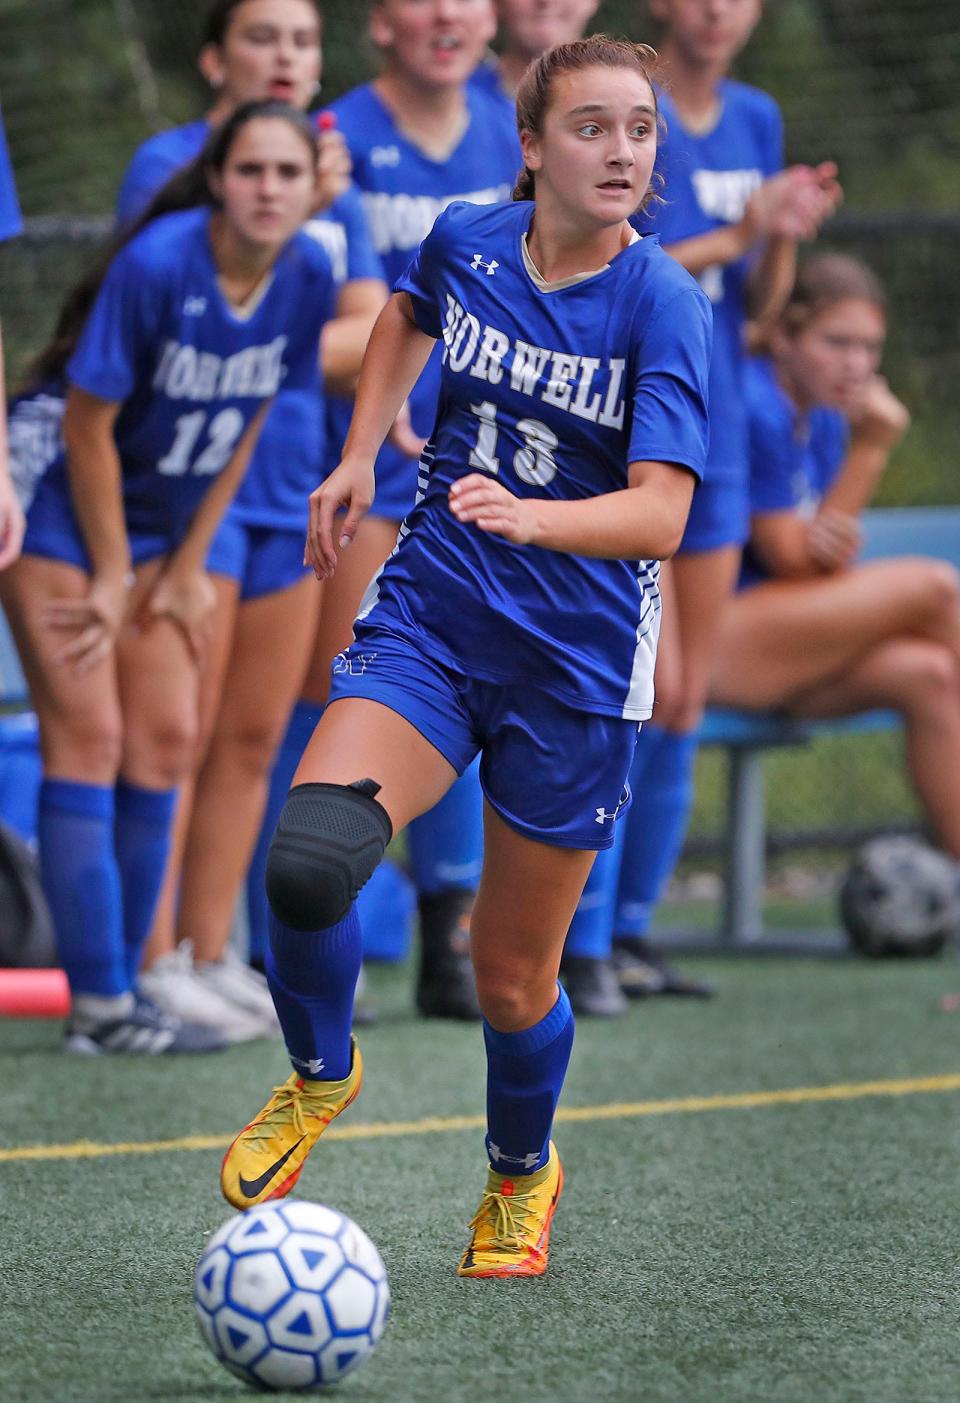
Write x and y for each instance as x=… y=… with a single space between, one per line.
x=396 y=355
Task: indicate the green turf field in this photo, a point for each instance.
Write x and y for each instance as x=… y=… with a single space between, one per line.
x=791 y=1252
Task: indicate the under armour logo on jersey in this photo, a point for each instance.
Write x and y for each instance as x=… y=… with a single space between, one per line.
x=526 y=1161
x=313 y=1065
x=385 y=156
x=478 y=263
x=194 y=306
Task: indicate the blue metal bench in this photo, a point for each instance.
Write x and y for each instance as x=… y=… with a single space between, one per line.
x=933 y=531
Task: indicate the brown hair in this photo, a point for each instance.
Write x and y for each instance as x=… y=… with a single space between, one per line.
x=824 y=280
x=596 y=51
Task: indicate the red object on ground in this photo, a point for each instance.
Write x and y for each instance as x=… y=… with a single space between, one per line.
x=34 y=993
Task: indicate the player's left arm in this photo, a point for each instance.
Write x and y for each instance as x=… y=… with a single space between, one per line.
x=183 y=593
x=645 y=521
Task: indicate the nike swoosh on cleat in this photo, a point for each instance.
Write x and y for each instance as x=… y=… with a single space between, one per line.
x=251 y=1187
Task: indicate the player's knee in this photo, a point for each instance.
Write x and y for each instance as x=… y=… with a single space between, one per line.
x=86 y=746
x=248 y=748
x=508 y=996
x=327 y=843
x=933 y=675
x=162 y=753
x=941 y=587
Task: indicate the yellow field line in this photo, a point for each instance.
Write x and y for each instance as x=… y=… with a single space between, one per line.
x=437 y=1125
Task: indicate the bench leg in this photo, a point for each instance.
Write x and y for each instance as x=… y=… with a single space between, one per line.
x=746 y=848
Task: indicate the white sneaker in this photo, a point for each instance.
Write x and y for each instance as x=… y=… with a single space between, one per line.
x=172 y=984
x=231 y=978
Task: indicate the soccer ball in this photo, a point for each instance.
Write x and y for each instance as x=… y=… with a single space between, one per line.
x=900 y=897
x=291 y=1295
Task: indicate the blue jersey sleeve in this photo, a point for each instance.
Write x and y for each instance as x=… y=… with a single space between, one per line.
x=121 y=330
x=10 y=220
x=362 y=259
x=146 y=173
x=422 y=278
x=317 y=295
x=672 y=359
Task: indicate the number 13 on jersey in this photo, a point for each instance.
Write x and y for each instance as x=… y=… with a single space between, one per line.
x=534 y=463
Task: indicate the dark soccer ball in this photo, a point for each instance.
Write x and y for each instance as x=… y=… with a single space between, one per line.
x=900 y=897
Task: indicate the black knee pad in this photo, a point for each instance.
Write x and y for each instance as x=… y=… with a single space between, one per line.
x=327 y=843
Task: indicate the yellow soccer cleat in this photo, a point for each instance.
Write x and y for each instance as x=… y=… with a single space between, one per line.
x=511 y=1228
x=266 y=1158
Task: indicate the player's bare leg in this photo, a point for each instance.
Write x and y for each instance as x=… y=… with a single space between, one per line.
x=528 y=894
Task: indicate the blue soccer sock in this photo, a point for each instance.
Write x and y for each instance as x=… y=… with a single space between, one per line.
x=304 y=719
x=142 y=829
x=82 y=884
x=312 y=976
x=656 y=827
x=525 y=1073
x=590 y=935
x=446 y=844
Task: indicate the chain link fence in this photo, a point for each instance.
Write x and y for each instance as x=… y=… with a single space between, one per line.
x=871 y=83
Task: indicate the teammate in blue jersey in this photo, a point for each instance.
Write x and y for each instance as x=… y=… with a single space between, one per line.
x=812 y=632
x=11 y=513
x=421 y=137
x=517 y=616
x=732 y=217
x=526 y=29
x=172 y=355
x=267 y=605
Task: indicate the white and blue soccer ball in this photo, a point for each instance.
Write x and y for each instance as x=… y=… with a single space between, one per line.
x=291 y=1295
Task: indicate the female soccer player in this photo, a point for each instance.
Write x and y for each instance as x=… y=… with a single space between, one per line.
x=732 y=217
x=267 y=605
x=517 y=616
x=812 y=632
x=172 y=356
x=419 y=137
x=527 y=28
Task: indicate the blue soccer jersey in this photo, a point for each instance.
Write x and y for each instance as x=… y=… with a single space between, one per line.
x=10 y=220
x=153 y=163
x=189 y=372
x=554 y=392
x=404 y=190
x=34 y=437
x=794 y=457
x=292 y=453
x=708 y=179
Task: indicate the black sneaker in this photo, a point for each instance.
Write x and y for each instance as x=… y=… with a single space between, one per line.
x=445 y=984
x=642 y=971
x=145 y=1029
x=592 y=987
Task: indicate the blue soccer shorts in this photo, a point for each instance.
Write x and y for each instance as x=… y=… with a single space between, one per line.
x=264 y=559
x=53 y=531
x=555 y=774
